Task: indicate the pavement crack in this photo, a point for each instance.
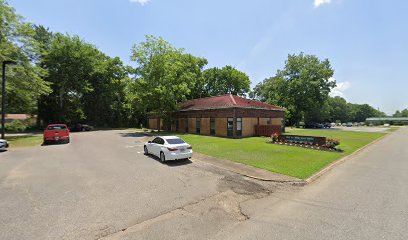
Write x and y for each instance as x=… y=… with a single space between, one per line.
x=164 y=216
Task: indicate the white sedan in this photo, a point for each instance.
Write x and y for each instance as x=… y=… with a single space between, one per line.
x=168 y=148
x=3 y=145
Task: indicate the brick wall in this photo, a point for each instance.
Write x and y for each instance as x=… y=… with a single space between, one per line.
x=221 y=127
x=276 y=121
x=205 y=126
x=152 y=123
x=229 y=112
x=192 y=125
x=182 y=125
x=248 y=126
x=250 y=119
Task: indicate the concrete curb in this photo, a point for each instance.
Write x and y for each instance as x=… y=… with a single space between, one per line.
x=317 y=175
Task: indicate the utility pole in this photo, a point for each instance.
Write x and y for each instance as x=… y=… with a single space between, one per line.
x=3 y=97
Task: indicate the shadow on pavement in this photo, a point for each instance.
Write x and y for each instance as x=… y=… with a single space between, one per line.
x=53 y=143
x=132 y=134
x=171 y=163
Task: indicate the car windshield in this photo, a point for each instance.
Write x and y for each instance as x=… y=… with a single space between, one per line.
x=57 y=127
x=175 y=141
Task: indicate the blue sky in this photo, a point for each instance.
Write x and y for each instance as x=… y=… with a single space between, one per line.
x=366 y=41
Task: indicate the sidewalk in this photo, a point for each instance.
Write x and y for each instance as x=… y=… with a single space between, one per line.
x=245 y=170
x=23 y=134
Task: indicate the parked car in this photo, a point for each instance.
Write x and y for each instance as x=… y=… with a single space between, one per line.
x=79 y=127
x=56 y=133
x=3 y=145
x=349 y=124
x=168 y=148
x=314 y=125
x=327 y=125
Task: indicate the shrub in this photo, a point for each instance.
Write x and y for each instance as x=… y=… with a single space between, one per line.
x=332 y=143
x=274 y=137
x=15 y=126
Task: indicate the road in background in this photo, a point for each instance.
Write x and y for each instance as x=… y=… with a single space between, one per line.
x=363 y=198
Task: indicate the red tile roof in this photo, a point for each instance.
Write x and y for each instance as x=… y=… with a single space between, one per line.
x=224 y=101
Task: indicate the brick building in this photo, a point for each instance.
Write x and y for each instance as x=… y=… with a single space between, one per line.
x=224 y=116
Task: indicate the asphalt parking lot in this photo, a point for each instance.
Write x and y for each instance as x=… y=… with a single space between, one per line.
x=101 y=185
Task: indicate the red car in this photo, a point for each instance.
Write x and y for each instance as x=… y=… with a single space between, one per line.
x=56 y=133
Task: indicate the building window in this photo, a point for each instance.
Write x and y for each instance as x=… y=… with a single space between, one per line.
x=239 y=127
x=198 y=125
x=212 y=126
x=230 y=127
x=268 y=121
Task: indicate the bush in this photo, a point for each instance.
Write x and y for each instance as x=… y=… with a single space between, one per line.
x=275 y=137
x=332 y=143
x=15 y=126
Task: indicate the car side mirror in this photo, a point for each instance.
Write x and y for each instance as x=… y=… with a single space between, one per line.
x=149 y=142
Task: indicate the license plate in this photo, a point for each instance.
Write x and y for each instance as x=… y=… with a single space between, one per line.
x=57 y=138
x=182 y=150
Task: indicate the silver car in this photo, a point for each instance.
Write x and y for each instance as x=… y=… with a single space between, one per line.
x=168 y=148
x=3 y=145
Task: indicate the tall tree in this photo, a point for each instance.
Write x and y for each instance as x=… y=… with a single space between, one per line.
x=403 y=113
x=302 y=87
x=339 y=110
x=164 y=76
x=360 y=112
x=25 y=80
x=87 y=85
x=226 y=80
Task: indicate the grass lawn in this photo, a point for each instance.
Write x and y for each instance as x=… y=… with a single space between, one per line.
x=292 y=161
x=25 y=141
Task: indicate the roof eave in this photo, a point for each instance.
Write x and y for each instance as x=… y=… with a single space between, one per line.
x=225 y=107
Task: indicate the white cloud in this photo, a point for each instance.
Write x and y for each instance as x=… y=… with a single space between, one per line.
x=340 y=89
x=141 y=2
x=318 y=3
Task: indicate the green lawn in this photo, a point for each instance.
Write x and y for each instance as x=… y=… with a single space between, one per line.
x=292 y=161
x=24 y=141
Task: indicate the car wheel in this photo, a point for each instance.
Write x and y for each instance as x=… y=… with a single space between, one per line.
x=162 y=157
x=146 y=152
x=67 y=141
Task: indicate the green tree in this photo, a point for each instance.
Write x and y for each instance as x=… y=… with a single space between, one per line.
x=164 y=76
x=87 y=85
x=360 y=112
x=338 y=109
x=302 y=87
x=226 y=80
x=403 y=113
x=25 y=80
x=105 y=105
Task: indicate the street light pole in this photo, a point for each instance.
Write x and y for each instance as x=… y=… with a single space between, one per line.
x=3 y=97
